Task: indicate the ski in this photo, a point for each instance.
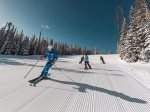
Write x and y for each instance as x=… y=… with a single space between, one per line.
x=34 y=81
x=30 y=81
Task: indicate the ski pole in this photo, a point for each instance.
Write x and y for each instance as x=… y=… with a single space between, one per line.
x=64 y=74
x=31 y=68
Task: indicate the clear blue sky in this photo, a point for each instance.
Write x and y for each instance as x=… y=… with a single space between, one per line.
x=88 y=23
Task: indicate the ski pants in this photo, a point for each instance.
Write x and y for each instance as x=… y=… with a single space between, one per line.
x=46 y=68
x=103 y=61
x=87 y=64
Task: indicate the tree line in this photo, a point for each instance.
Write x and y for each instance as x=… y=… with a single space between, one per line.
x=13 y=42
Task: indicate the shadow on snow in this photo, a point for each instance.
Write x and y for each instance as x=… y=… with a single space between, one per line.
x=83 y=87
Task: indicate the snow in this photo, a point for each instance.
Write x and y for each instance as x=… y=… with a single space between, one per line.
x=116 y=86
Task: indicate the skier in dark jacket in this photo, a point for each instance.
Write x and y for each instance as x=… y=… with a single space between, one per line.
x=52 y=56
x=102 y=59
x=86 y=61
x=82 y=59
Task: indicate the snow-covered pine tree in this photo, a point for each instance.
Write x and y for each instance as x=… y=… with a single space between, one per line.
x=46 y=45
x=145 y=53
x=84 y=50
x=51 y=42
x=56 y=47
x=20 y=41
x=15 y=44
x=141 y=7
x=123 y=38
x=66 y=49
x=131 y=45
x=31 y=45
x=80 y=50
x=42 y=46
x=9 y=35
x=137 y=33
x=147 y=50
x=39 y=47
x=25 y=46
x=70 y=50
x=63 y=49
x=10 y=45
x=2 y=36
x=94 y=51
x=35 y=47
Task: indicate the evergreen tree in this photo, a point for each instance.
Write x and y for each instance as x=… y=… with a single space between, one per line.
x=145 y=53
x=132 y=48
x=123 y=38
x=9 y=35
x=31 y=46
x=141 y=8
x=131 y=45
x=2 y=36
x=20 y=42
x=25 y=46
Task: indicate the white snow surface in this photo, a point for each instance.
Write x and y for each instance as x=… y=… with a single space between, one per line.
x=116 y=86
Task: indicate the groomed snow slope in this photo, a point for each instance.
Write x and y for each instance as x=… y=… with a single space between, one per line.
x=113 y=87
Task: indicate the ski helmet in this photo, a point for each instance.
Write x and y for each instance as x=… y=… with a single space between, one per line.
x=50 y=47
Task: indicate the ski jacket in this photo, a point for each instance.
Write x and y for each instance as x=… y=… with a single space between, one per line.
x=82 y=58
x=51 y=55
x=86 y=58
x=101 y=58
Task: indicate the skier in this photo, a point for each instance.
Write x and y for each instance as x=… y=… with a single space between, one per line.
x=52 y=56
x=86 y=61
x=82 y=59
x=102 y=59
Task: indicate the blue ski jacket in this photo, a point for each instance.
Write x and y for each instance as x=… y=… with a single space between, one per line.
x=51 y=55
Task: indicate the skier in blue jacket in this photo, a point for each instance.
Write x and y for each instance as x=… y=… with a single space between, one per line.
x=52 y=56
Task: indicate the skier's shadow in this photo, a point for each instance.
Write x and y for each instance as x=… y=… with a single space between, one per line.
x=83 y=87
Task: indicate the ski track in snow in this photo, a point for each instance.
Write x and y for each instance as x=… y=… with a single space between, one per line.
x=110 y=87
